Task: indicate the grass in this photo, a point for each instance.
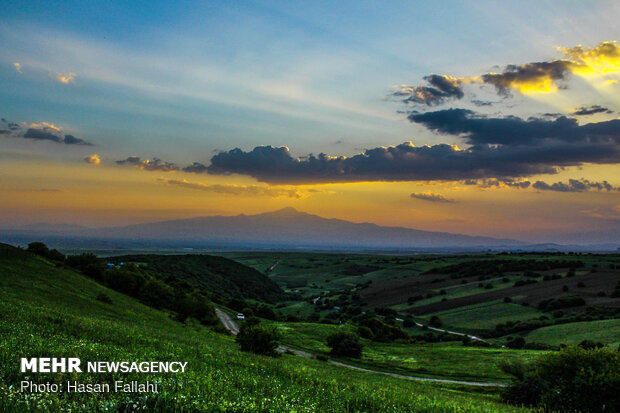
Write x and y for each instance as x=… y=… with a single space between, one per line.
x=47 y=310
x=604 y=331
x=445 y=360
x=487 y=315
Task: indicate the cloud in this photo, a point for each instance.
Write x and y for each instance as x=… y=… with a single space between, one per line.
x=18 y=67
x=93 y=159
x=478 y=129
x=591 y=110
x=45 y=126
x=404 y=162
x=534 y=77
x=155 y=164
x=499 y=183
x=196 y=167
x=42 y=131
x=429 y=196
x=239 y=190
x=41 y=134
x=575 y=185
x=439 y=88
x=65 y=78
x=72 y=140
x=601 y=59
x=541 y=77
x=501 y=148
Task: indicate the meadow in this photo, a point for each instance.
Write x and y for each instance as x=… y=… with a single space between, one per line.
x=49 y=310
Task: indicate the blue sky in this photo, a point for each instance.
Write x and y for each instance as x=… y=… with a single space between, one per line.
x=183 y=81
x=212 y=75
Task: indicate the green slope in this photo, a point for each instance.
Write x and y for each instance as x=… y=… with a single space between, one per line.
x=216 y=274
x=47 y=310
x=604 y=331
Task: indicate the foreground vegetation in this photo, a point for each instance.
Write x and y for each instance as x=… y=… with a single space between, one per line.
x=51 y=310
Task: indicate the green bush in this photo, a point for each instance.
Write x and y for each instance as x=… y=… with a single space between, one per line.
x=259 y=339
x=345 y=344
x=571 y=380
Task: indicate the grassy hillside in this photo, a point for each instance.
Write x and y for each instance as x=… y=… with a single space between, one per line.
x=50 y=310
x=606 y=331
x=216 y=274
x=449 y=360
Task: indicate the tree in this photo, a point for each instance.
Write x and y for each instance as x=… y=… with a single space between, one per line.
x=435 y=322
x=571 y=380
x=345 y=344
x=259 y=339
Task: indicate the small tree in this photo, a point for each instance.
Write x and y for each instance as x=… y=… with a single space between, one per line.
x=259 y=339
x=345 y=344
x=435 y=322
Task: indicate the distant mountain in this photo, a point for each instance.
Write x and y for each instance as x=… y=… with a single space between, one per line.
x=291 y=229
x=288 y=227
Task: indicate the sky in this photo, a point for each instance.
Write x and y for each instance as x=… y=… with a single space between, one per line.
x=485 y=118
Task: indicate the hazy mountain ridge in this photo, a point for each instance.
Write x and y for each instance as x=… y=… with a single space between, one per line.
x=291 y=228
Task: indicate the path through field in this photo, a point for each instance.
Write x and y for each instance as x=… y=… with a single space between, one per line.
x=232 y=326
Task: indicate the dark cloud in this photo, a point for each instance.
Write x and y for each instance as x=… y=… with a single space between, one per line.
x=428 y=196
x=511 y=130
x=196 y=167
x=72 y=140
x=42 y=135
x=41 y=131
x=403 y=162
x=591 y=110
x=439 y=88
x=575 y=185
x=501 y=148
x=155 y=164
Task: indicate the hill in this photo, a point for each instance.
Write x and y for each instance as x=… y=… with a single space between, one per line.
x=51 y=310
x=217 y=274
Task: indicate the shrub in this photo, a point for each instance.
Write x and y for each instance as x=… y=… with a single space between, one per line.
x=518 y=343
x=435 y=322
x=345 y=344
x=571 y=380
x=104 y=298
x=365 y=332
x=259 y=339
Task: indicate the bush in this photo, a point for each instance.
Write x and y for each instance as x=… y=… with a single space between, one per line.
x=322 y=357
x=345 y=344
x=104 y=298
x=435 y=322
x=365 y=332
x=259 y=339
x=571 y=380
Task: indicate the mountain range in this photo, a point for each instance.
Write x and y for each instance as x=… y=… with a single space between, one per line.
x=282 y=229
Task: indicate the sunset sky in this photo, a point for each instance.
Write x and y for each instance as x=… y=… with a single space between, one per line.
x=486 y=118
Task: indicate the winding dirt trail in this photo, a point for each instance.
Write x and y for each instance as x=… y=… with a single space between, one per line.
x=232 y=326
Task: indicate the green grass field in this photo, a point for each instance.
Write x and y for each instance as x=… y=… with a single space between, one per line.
x=52 y=311
x=445 y=360
x=605 y=331
x=486 y=315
